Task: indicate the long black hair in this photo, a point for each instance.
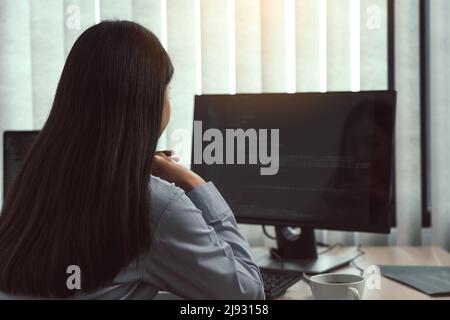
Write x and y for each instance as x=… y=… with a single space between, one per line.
x=82 y=195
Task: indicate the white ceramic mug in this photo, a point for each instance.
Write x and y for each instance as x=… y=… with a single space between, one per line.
x=335 y=286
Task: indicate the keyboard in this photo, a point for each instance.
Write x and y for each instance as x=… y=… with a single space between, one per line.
x=276 y=282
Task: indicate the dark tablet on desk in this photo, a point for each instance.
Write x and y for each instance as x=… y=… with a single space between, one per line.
x=433 y=281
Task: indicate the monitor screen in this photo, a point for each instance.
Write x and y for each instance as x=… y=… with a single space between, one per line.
x=313 y=160
x=16 y=145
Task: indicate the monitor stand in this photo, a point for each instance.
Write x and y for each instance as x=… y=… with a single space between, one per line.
x=300 y=254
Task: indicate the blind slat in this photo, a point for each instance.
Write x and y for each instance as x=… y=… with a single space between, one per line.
x=408 y=178
x=274 y=77
x=148 y=13
x=440 y=118
x=215 y=46
x=182 y=46
x=248 y=46
x=374 y=45
x=116 y=10
x=46 y=32
x=307 y=45
x=338 y=44
x=78 y=16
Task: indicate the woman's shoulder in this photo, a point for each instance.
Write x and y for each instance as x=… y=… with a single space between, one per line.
x=162 y=193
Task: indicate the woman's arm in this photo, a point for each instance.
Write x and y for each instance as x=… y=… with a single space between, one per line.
x=208 y=200
x=198 y=252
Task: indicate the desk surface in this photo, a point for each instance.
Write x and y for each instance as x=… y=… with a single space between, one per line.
x=390 y=290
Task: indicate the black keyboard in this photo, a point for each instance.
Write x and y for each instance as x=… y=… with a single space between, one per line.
x=276 y=282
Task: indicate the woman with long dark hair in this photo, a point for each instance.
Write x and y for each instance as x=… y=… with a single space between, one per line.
x=85 y=196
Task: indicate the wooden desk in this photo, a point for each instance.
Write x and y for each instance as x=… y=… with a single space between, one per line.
x=390 y=290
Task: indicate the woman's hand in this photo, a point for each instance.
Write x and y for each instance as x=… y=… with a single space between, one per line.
x=167 y=169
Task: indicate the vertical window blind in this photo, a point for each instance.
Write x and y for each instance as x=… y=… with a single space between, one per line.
x=217 y=46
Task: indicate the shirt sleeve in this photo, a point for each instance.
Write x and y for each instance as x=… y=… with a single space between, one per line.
x=198 y=252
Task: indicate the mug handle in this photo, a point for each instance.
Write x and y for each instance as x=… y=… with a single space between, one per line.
x=354 y=294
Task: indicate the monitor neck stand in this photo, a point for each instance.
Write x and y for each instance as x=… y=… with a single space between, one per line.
x=300 y=254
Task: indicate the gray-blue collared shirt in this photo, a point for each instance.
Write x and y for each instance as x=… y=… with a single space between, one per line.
x=197 y=251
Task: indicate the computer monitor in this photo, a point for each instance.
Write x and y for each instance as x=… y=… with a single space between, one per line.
x=16 y=145
x=335 y=161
